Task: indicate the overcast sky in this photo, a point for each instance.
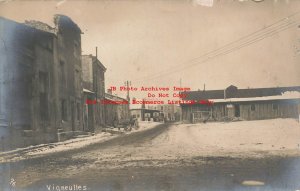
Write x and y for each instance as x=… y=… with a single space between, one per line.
x=143 y=39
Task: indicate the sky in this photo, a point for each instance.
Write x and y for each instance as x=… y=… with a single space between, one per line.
x=162 y=43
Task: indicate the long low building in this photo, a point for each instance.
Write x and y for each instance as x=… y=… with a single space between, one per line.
x=241 y=104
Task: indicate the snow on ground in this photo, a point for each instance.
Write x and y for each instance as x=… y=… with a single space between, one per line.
x=187 y=141
x=188 y=144
x=239 y=138
x=44 y=149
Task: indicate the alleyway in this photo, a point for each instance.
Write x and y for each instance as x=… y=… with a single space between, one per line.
x=174 y=157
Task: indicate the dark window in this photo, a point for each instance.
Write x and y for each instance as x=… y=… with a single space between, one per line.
x=50 y=45
x=43 y=81
x=62 y=74
x=252 y=107
x=77 y=80
x=78 y=111
x=63 y=110
x=43 y=89
x=237 y=110
x=275 y=107
x=76 y=49
x=44 y=107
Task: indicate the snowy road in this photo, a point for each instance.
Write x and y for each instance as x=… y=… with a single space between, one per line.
x=214 y=156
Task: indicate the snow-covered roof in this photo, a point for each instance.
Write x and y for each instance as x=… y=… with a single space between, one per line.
x=88 y=91
x=114 y=97
x=283 y=96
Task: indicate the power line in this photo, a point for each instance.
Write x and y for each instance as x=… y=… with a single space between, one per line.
x=221 y=53
x=215 y=51
x=246 y=40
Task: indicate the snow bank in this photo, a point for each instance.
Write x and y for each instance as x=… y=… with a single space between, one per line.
x=44 y=149
x=241 y=138
x=285 y=95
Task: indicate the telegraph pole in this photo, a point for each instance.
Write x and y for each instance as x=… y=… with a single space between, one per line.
x=127 y=84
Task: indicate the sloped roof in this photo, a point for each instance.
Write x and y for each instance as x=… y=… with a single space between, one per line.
x=87 y=91
x=204 y=95
x=95 y=59
x=289 y=95
x=114 y=97
x=234 y=92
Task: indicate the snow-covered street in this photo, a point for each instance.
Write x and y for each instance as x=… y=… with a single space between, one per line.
x=164 y=146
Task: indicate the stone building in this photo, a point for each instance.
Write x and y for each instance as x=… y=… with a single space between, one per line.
x=93 y=81
x=40 y=82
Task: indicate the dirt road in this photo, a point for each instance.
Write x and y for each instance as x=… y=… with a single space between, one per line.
x=173 y=157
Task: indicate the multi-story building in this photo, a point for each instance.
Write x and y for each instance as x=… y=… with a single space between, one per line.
x=93 y=81
x=40 y=81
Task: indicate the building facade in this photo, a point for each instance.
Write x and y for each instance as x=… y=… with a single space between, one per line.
x=116 y=109
x=143 y=114
x=241 y=104
x=93 y=72
x=40 y=75
x=170 y=112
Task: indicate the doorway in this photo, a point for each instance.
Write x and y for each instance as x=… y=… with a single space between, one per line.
x=237 y=110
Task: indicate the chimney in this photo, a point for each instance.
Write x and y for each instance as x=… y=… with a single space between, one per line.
x=204 y=88
x=225 y=94
x=96 y=52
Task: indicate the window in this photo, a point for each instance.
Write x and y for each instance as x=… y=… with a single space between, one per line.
x=47 y=44
x=275 y=106
x=77 y=80
x=43 y=95
x=62 y=74
x=44 y=107
x=63 y=110
x=252 y=107
x=78 y=111
x=77 y=51
x=50 y=45
x=43 y=82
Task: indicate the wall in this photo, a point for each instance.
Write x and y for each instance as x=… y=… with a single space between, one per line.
x=33 y=82
x=69 y=72
x=93 y=80
x=263 y=110
x=267 y=110
x=26 y=79
x=119 y=112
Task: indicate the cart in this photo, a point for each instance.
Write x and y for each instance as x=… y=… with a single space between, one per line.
x=127 y=124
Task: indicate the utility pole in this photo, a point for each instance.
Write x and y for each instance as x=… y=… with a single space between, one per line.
x=127 y=84
x=96 y=52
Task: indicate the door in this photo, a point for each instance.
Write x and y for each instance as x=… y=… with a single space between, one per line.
x=237 y=110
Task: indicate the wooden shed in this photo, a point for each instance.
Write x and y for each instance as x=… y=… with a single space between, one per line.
x=242 y=104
